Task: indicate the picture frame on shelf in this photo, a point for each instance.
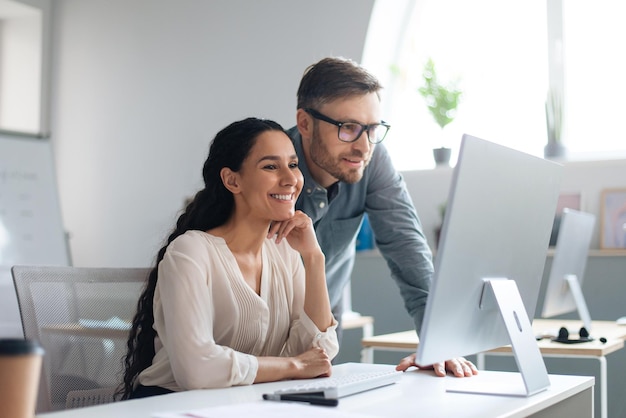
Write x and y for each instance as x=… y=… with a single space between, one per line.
x=613 y=219
x=570 y=200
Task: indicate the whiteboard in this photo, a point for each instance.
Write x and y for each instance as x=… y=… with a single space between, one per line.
x=31 y=228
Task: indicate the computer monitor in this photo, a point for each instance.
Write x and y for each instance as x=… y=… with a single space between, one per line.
x=563 y=290
x=490 y=260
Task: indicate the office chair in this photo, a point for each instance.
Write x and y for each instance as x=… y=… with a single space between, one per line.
x=81 y=317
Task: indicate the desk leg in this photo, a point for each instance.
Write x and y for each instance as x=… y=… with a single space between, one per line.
x=603 y=387
x=367 y=353
x=480 y=361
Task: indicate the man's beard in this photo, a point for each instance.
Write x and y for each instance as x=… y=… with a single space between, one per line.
x=323 y=159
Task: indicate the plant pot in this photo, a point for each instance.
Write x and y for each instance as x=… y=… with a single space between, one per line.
x=554 y=150
x=442 y=156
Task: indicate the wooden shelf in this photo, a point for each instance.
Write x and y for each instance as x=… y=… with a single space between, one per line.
x=595 y=252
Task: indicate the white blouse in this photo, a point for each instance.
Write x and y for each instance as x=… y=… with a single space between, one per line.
x=211 y=325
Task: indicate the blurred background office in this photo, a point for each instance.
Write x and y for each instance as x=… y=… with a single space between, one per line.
x=131 y=91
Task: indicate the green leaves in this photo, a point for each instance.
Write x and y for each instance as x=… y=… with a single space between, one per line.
x=442 y=100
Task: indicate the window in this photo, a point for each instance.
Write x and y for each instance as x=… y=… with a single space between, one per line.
x=594 y=77
x=23 y=76
x=499 y=52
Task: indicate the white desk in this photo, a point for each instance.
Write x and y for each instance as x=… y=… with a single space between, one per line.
x=407 y=341
x=419 y=393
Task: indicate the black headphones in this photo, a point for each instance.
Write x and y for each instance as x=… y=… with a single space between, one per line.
x=583 y=337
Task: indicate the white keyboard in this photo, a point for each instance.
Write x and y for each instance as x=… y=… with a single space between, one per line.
x=340 y=386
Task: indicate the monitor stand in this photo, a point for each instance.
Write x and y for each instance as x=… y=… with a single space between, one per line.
x=577 y=293
x=503 y=294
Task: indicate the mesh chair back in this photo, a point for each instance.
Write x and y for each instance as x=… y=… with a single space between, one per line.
x=88 y=397
x=81 y=317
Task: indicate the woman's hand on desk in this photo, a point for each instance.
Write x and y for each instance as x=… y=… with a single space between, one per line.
x=460 y=367
x=310 y=364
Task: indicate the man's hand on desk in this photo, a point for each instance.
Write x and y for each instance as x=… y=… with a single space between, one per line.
x=460 y=367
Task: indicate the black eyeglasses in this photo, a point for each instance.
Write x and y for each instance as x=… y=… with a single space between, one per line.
x=351 y=131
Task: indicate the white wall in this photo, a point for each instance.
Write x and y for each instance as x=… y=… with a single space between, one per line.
x=140 y=87
x=429 y=189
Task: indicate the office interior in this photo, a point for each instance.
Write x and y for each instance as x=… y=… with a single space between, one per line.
x=134 y=90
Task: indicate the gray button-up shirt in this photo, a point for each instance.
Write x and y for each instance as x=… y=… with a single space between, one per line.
x=383 y=195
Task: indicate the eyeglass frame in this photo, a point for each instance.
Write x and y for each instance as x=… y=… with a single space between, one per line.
x=364 y=128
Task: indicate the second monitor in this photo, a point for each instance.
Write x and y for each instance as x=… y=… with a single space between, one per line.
x=563 y=291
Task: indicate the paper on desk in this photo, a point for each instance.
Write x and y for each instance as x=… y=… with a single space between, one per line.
x=263 y=409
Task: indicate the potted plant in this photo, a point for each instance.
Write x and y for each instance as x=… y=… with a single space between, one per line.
x=442 y=101
x=554 y=121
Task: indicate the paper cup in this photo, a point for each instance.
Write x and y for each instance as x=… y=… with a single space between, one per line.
x=20 y=369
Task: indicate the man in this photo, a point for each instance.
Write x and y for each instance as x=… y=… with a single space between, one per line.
x=347 y=173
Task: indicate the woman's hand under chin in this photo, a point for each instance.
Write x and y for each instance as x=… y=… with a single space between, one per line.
x=298 y=231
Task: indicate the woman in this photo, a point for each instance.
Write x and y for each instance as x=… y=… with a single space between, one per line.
x=229 y=303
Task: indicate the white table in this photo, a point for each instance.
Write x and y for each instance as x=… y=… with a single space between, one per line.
x=419 y=393
x=407 y=341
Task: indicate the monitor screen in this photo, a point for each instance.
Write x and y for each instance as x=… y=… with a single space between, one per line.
x=569 y=262
x=497 y=225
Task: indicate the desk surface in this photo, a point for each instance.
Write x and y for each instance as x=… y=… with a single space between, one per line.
x=83 y=331
x=418 y=392
x=615 y=335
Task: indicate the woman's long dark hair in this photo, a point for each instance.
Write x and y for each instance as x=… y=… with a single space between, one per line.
x=210 y=207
